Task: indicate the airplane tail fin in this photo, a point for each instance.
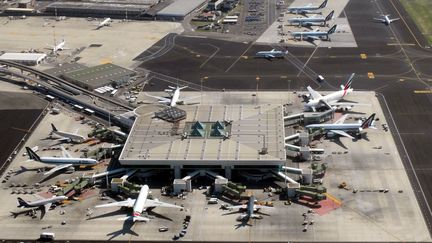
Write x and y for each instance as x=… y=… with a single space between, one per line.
x=22 y=203
x=349 y=82
x=368 y=122
x=53 y=128
x=32 y=155
x=332 y=29
x=324 y=4
x=330 y=16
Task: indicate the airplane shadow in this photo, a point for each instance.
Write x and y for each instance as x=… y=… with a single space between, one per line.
x=339 y=142
x=126 y=229
x=109 y=214
x=243 y=223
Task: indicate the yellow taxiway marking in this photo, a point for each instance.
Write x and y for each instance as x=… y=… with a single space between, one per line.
x=105 y=61
x=197 y=55
x=426 y=91
x=334 y=199
x=283 y=76
x=245 y=57
x=371 y=75
x=363 y=56
x=257 y=78
x=401 y=44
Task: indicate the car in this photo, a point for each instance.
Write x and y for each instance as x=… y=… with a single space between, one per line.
x=213 y=200
x=163 y=229
x=320 y=78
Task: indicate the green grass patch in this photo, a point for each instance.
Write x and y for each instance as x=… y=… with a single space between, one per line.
x=421 y=12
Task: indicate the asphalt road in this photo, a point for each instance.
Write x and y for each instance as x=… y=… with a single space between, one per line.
x=396 y=56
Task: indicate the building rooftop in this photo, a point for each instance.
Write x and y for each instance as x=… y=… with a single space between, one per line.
x=65 y=68
x=250 y=135
x=180 y=8
x=22 y=56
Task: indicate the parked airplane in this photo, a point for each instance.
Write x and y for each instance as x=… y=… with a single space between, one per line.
x=250 y=208
x=314 y=35
x=331 y=100
x=342 y=129
x=306 y=9
x=386 y=20
x=105 y=22
x=139 y=205
x=62 y=162
x=67 y=136
x=43 y=204
x=271 y=54
x=58 y=47
x=174 y=97
x=311 y=21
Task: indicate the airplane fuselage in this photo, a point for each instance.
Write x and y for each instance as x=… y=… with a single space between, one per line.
x=303 y=35
x=343 y=127
x=266 y=54
x=72 y=136
x=301 y=20
x=140 y=201
x=175 y=98
x=46 y=201
x=333 y=97
x=74 y=161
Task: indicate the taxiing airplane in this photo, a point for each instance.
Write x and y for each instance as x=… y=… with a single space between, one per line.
x=386 y=20
x=139 y=205
x=306 y=9
x=314 y=35
x=105 y=22
x=174 y=97
x=43 y=204
x=311 y=21
x=271 y=54
x=316 y=100
x=342 y=129
x=67 y=136
x=250 y=208
x=58 y=47
x=62 y=162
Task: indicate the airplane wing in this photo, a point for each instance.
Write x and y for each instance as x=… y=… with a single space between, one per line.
x=378 y=19
x=342 y=133
x=261 y=206
x=313 y=93
x=65 y=153
x=348 y=104
x=341 y=120
x=126 y=203
x=161 y=99
x=313 y=37
x=57 y=168
x=244 y=206
x=391 y=20
x=156 y=203
x=270 y=56
x=190 y=98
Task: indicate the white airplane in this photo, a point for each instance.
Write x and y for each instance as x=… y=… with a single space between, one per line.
x=386 y=20
x=306 y=9
x=314 y=35
x=331 y=100
x=271 y=54
x=43 y=204
x=67 y=136
x=58 y=47
x=250 y=208
x=174 y=99
x=311 y=21
x=342 y=129
x=105 y=22
x=62 y=162
x=139 y=205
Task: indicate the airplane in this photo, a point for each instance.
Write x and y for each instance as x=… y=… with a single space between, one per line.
x=62 y=162
x=307 y=22
x=174 y=98
x=271 y=54
x=58 y=47
x=43 y=204
x=250 y=208
x=314 y=35
x=306 y=9
x=331 y=100
x=105 y=22
x=139 y=205
x=342 y=129
x=67 y=136
x=386 y=20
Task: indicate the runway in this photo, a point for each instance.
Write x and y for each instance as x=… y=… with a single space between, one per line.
x=392 y=60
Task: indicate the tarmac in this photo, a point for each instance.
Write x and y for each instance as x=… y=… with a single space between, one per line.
x=83 y=42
